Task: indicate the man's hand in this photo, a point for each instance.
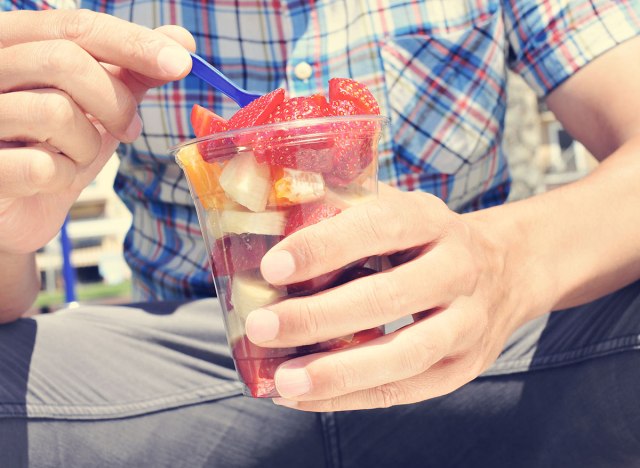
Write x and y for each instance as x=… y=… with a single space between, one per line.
x=448 y=271
x=70 y=82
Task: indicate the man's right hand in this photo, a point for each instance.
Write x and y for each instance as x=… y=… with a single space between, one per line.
x=70 y=83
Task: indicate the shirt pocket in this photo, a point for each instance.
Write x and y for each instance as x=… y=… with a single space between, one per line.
x=445 y=94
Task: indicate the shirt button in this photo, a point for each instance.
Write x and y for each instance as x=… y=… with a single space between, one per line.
x=303 y=71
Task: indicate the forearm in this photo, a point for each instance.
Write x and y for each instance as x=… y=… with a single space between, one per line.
x=579 y=242
x=19 y=285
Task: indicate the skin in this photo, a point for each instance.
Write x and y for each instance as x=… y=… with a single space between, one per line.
x=69 y=91
x=479 y=276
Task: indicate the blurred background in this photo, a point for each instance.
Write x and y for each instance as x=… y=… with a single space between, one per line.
x=542 y=156
x=95 y=230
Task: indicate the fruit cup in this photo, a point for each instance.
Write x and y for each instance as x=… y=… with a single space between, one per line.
x=254 y=186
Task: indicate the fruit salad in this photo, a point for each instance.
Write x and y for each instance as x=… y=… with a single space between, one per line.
x=279 y=165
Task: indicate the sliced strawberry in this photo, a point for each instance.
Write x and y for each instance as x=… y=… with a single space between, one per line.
x=351 y=156
x=238 y=252
x=353 y=152
x=257 y=366
x=307 y=214
x=343 y=107
x=354 y=91
x=306 y=107
x=281 y=148
x=258 y=111
x=204 y=123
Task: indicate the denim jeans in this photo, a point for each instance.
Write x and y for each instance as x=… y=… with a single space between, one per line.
x=153 y=385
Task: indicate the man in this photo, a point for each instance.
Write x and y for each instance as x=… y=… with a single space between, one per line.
x=489 y=276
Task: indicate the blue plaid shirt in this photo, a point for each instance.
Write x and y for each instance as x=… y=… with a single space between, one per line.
x=437 y=67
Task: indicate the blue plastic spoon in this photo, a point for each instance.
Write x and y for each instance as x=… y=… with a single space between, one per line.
x=211 y=75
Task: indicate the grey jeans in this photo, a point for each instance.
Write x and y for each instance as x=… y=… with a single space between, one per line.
x=152 y=385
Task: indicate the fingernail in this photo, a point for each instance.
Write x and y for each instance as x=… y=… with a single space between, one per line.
x=134 y=129
x=174 y=60
x=262 y=325
x=292 y=382
x=286 y=403
x=277 y=266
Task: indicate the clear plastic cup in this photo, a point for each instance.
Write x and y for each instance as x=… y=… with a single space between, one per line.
x=255 y=186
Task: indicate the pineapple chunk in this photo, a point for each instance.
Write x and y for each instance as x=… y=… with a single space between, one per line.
x=268 y=223
x=246 y=181
x=249 y=291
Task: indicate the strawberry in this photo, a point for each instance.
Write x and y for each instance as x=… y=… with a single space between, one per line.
x=342 y=107
x=204 y=123
x=307 y=214
x=234 y=253
x=258 y=111
x=276 y=147
x=351 y=90
x=306 y=107
x=257 y=366
x=352 y=153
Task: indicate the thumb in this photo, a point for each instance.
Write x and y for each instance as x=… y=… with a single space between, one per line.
x=140 y=84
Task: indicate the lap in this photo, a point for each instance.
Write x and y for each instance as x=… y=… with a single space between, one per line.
x=154 y=385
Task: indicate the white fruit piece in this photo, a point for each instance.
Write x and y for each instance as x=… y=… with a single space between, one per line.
x=249 y=291
x=235 y=327
x=299 y=186
x=247 y=182
x=268 y=223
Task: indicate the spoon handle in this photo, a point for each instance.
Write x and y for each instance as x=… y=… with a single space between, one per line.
x=208 y=73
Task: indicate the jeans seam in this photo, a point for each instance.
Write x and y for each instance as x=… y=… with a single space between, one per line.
x=122 y=410
x=566 y=357
x=329 y=427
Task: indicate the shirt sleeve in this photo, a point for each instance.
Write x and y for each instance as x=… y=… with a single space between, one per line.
x=550 y=40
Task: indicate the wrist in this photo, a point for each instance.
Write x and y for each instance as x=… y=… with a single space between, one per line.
x=19 y=284
x=524 y=275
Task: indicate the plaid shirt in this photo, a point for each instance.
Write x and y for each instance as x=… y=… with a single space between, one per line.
x=437 y=67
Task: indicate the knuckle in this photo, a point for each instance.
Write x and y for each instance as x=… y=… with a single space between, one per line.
x=79 y=24
x=423 y=200
x=56 y=109
x=418 y=355
x=387 y=395
x=61 y=57
x=39 y=176
x=382 y=297
x=344 y=379
x=140 y=44
x=377 y=222
x=312 y=247
x=309 y=318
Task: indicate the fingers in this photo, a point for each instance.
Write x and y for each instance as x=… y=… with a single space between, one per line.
x=375 y=228
x=31 y=170
x=406 y=353
x=106 y=38
x=442 y=379
x=52 y=117
x=433 y=280
x=66 y=66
